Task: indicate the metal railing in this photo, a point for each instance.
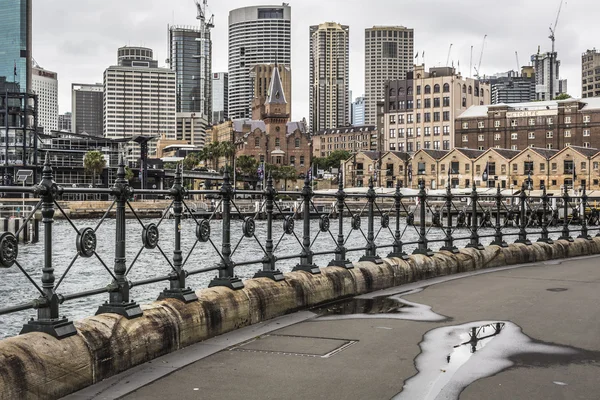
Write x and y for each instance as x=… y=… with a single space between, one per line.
x=438 y=217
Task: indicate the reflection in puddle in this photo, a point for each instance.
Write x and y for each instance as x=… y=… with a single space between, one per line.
x=389 y=307
x=453 y=357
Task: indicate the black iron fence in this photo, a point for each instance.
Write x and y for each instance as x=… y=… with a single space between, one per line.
x=443 y=217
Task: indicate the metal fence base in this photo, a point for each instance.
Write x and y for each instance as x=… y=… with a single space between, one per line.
x=58 y=328
x=373 y=259
x=500 y=243
x=341 y=263
x=311 y=269
x=424 y=252
x=233 y=283
x=547 y=241
x=588 y=237
x=128 y=310
x=276 y=276
x=525 y=242
x=185 y=295
x=477 y=246
x=453 y=249
x=568 y=238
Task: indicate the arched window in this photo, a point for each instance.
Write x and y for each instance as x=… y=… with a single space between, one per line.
x=470 y=89
x=277 y=142
x=409 y=91
x=427 y=89
x=464 y=88
x=436 y=88
x=482 y=92
x=392 y=92
x=446 y=88
x=400 y=91
x=256 y=142
x=297 y=143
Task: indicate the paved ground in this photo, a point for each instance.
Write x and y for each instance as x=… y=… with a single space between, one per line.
x=363 y=358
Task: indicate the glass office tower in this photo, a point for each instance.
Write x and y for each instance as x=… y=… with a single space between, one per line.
x=15 y=52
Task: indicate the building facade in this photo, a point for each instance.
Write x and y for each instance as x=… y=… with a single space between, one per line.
x=139 y=100
x=257 y=35
x=260 y=76
x=191 y=59
x=512 y=87
x=45 y=84
x=87 y=106
x=351 y=139
x=590 y=74
x=191 y=129
x=329 y=76
x=420 y=110
x=358 y=111
x=220 y=97
x=389 y=52
x=15 y=35
x=549 y=124
x=548 y=84
x=64 y=122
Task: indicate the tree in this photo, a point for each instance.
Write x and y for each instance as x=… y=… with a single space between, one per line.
x=94 y=163
x=563 y=96
x=128 y=174
x=247 y=165
x=336 y=157
x=227 y=150
x=190 y=161
x=287 y=172
x=204 y=155
x=214 y=152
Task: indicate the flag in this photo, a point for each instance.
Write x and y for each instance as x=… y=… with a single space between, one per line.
x=260 y=172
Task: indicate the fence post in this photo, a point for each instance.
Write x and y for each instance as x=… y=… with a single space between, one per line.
x=226 y=276
x=449 y=240
x=177 y=289
x=268 y=270
x=423 y=242
x=340 y=259
x=545 y=221
x=371 y=251
x=498 y=239
x=474 y=239
x=48 y=318
x=583 y=214
x=118 y=300
x=397 y=249
x=306 y=256
x=523 y=218
x=566 y=235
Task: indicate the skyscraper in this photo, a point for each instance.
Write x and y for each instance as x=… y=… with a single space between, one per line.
x=257 y=35
x=548 y=84
x=590 y=74
x=329 y=75
x=358 y=111
x=64 y=122
x=389 y=52
x=139 y=99
x=220 y=96
x=191 y=59
x=15 y=36
x=45 y=85
x=87 y=106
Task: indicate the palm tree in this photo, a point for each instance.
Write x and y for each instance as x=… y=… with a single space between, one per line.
x=214 y=152
x=227 y=150
x=204 y=155
x=94 y=163
x=287 y=172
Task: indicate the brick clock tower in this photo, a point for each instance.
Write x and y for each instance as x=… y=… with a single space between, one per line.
x=276 y=118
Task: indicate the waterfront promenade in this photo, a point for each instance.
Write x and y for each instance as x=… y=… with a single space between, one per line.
x=303 y=356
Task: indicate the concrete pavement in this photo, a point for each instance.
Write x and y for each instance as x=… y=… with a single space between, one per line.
x=370 y=358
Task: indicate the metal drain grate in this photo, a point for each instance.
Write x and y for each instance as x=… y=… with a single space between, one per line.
x=301 y=346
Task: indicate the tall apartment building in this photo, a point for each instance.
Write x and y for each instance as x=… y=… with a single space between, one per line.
x=257 y=35
x=139 y=99
x=87 y=106
x=389 y=52
x=15 y=36
x=329 y=76
x=590 y=74
x=220 y=97
x=261 y=75
x=511 y=87
x=64 y=122
x=358 y=111
x=547 y=76
x=45 y=84
x=420 y=110
x=548 y=124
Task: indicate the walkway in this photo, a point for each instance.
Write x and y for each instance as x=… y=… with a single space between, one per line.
x=555 y=304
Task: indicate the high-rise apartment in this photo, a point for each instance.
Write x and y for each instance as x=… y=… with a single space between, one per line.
x=45 y=85
x=547 y=76
x=64 y=122
x=220 y=97
x=389 y=52
x=15 y=36
x=358 y=111
x=261 y=75
x=512 y=87
x=139 y=99
x=87 y=106
x=590 y=73
x=329 y=76
x=257 y=35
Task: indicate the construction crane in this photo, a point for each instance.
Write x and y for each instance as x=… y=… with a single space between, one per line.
x=480 y=57
x=518 y=64
x=552 y=37
x=202 y=14
x=448 y=58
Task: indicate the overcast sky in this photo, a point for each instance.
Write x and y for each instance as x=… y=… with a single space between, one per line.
x=79 y=39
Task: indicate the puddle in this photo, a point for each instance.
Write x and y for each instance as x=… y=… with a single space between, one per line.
x=389 y=307
x=453 y=357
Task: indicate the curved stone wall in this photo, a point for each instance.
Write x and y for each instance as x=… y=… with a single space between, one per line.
x=37 y=366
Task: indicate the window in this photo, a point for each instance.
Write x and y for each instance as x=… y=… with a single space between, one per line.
x=568 y=166
x=480 y=124
x=464 y=102
x=436 y=88
x=497 y=124
x=436 y=117
x=418 y=146
x=436 y=144
x=513 y=136
x=302 y=161
x=292 y=161
x=418 y=118
x=400 y=132
x=478 y=169
x=503 y=169
x=550 y=121
x=427 y=117
x=513 y=122
x=409 y=118
x=409 y=91
x=586 y=132
x=467 y=167
x=418 y=103
x=464 y=88
x=531 y=135
x=427 y=89
x=409 y=147
x=277 y=142
x=480 y=138
x=392 y=133
x=418 y=89
x=427 y=145
x=491 y=168
x=528 y=167
x=393 y=119
x=549 y=135
x=595 y=165
x=446 y=145
x=586 y=144
x=465 y=125
x=515 y=168
x=542 y=167
x=436 y=131
x=567 y=120
x=497 y=137
x=446 y=130
x=583 y=165
x=446 y=101
x=256 y=142
x=531 y=121
x=549 y=146
x=567 y=133
x=427 y=103
x=586 y=118
x=454 y=167
x=446 y=88
x=419 y=131
x=401 y=118
x=470 y=89
x=409 y=132
x=427 y=131
x=465 y=138
x=436 y=102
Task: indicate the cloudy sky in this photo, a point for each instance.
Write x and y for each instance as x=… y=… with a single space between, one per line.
x=79 y=39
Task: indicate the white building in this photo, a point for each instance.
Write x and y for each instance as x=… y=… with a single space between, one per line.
x=257 y=35
x=139 y=99
x=191 y=127
x=548 y=84
x=45 y=85
x=220 y=97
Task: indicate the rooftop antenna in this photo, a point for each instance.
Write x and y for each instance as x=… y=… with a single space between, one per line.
x=518 y=64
